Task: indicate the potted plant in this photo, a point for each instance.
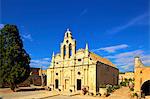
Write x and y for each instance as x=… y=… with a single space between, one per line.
x=84 y=91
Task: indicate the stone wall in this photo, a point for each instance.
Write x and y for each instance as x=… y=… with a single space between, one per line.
x=106 y=75
x=141 y=74
x=126 y=75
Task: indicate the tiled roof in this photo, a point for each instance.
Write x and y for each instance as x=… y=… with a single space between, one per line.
x=101 y=59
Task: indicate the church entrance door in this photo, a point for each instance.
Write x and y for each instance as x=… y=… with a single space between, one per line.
x=78 y=84
x=56 y=84
x=66 y=84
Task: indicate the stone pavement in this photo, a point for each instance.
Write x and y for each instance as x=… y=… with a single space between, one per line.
x=122 y=93
x=29 y=95
x=26 y=93
x=147 y=97
x=66 y=93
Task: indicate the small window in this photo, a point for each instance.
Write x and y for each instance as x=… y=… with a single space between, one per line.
x=90 y=58
x=67 y=41
x=141 y=72
x=79 y=59
x=56 y=73
x=57 y=63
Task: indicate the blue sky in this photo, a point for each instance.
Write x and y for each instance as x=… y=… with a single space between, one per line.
x=115 y=29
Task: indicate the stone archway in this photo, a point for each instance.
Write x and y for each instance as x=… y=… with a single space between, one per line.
x=145 y=88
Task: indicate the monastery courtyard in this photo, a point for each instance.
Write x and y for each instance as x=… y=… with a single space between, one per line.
x=122 y=93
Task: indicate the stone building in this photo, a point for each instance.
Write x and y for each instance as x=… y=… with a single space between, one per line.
x=73 y=69
x=34 y=78
x=37 y=77
x=126 y=75
x=142 y=77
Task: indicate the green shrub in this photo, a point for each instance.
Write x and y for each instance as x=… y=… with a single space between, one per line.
x=123 y=84
x=134 y=94
x=131 y=89
x=109 y=89
x=116 y=87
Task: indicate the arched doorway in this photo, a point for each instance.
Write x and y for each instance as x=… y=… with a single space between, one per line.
x=146 y=88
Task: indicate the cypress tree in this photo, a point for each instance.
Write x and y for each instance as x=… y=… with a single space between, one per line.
x=14 y=60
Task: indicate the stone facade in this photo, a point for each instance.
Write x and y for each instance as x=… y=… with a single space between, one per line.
x=73 y=69
x=126 y=75
x=142 y=77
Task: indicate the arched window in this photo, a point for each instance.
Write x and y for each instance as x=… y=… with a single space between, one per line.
x=64 y=50
x=70 y=50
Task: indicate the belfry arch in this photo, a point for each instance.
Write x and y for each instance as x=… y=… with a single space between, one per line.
x=64 y=50
x=70 y=50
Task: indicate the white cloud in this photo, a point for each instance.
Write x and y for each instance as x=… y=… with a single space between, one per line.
x=46 y=58
x=44 y=63
x=27 y=36
x=125 y=63
x=127 y=54
x=137 y=20
x=1 y=26
x=112 y=49
x=146 y=60
x=126 y=67
x=83 y=12
x=125 y=60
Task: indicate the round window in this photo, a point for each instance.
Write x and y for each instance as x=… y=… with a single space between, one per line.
x=79 y=73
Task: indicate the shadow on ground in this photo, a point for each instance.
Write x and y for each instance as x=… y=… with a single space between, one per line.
x=29 y=89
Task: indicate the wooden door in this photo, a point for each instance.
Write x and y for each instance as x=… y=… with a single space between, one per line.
x=66 y=84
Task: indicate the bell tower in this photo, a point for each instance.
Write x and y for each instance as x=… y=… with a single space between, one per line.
x=137 y=62
x=68 y=46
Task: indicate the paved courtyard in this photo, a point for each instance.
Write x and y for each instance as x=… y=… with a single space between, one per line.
x=122 y=93
x=37 y=94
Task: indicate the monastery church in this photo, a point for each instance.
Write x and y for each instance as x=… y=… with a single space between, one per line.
x=71 y=69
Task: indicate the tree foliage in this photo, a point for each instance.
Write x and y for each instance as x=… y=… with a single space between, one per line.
x=14 y=60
